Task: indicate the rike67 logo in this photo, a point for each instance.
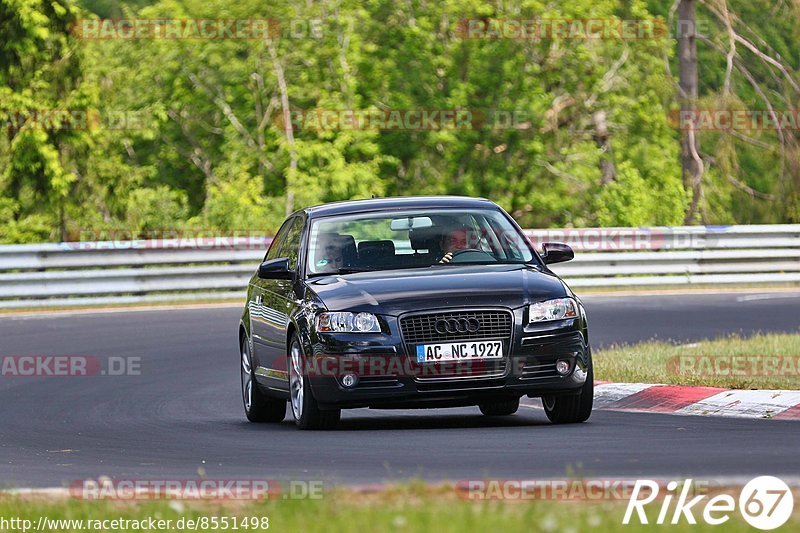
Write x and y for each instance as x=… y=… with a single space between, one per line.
x=765 y=503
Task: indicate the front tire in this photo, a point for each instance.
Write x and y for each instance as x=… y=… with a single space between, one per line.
x=500 y=408
x=258 y=407
x=572 y=409
x=307 y=412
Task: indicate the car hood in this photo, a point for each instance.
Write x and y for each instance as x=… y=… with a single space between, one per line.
x=393 y=292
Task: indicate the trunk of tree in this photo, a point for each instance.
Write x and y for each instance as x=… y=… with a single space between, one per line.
x=603 y=140
x=691 y=162
x=62 y=221
x=288 y=128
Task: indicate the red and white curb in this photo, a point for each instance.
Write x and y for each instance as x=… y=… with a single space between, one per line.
x=697 y=401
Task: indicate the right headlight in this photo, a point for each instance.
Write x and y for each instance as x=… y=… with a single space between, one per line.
x=553 y=310
x=345 y=322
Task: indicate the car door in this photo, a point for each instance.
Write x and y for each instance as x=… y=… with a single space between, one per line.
x=260 y=303
x=284 y=300
x=279 y=300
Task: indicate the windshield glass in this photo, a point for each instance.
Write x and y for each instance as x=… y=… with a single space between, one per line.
x=413 y=239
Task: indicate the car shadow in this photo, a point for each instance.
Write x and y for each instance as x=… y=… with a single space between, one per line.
x=434 y=422
x=389 y=419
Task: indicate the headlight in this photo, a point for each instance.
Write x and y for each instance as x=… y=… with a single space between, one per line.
x=553 y=310
x=345 y=322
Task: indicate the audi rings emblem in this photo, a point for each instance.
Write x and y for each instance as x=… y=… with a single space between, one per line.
x=445 y=326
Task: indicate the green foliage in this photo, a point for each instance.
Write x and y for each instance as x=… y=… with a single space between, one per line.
x=240 y=205
x=33 y=228
x=189 y=133
x=156 y=209
x=630 y=201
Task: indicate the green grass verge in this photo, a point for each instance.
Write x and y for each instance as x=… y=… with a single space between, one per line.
x=764 y=361
x=400 y=509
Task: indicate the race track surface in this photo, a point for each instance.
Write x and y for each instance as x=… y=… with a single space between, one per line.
x=183 y=413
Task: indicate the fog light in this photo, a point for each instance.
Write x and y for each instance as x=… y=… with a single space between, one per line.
x=349 y=380
x=563 y=366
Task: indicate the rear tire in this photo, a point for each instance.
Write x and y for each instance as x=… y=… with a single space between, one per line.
x=307 y=412
x=258 y=407
x=500 y=407
x=572 y=409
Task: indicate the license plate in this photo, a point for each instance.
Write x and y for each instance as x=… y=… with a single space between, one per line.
x=459 y=351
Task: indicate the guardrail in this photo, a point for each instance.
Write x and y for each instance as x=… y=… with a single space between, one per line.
x=693 y=255
x=98 y=273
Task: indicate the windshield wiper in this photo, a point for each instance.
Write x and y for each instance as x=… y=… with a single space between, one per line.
x=344 y=270
x=467 y=263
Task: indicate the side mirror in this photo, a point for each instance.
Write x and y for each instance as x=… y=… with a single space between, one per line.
x=275 y=269
x=556 y=252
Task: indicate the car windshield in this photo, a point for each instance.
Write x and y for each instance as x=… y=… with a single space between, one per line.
x=413 y=239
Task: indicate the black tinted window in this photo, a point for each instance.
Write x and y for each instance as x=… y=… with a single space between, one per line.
x=414 y=239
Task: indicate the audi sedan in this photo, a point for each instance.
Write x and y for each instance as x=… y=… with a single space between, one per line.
x=419 y=302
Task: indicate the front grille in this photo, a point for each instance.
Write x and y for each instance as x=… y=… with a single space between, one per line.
x=419 y=329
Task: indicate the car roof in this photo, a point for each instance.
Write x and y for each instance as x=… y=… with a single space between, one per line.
x=396 y=204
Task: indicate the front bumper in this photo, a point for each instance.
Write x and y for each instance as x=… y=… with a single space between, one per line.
x=389 y=378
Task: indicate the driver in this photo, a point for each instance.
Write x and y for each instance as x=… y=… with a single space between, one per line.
x=456 y=240
x=330 y=256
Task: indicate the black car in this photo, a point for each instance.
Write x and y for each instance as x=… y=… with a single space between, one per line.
x=416 y=302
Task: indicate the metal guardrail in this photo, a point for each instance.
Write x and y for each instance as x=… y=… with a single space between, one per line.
x=98 y=273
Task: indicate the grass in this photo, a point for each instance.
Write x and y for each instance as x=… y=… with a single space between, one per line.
x=411 y=507
x=764 y=361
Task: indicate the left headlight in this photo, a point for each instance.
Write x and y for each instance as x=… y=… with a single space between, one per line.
x=553 y=310
x=344 y=322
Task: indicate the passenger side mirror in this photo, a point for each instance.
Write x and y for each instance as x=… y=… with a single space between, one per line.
x=556 y=252
x=275 y=269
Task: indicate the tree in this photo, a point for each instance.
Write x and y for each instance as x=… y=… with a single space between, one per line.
x=38 y=72
x=691 y=163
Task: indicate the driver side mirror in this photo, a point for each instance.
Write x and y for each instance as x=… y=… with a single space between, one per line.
x=275 y=269
x=556 y=252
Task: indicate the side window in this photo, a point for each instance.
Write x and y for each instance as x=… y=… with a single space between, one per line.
x=291 y=246
x=277 y=242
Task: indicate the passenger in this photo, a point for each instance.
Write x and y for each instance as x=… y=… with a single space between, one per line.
x=329 y=256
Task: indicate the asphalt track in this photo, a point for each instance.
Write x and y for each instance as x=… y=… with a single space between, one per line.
x=182 y=415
